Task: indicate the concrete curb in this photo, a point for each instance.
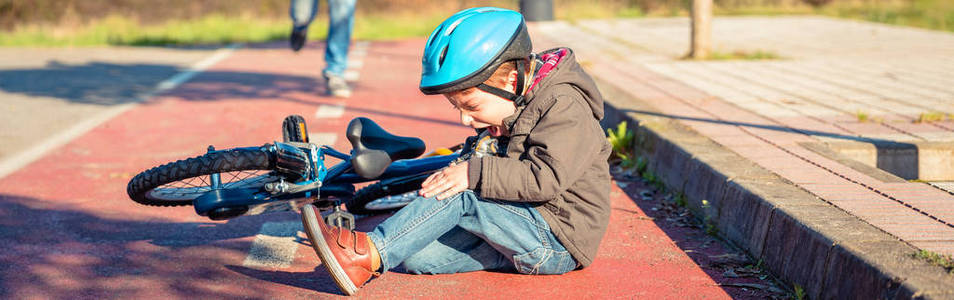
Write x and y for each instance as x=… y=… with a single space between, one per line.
x=800 y=238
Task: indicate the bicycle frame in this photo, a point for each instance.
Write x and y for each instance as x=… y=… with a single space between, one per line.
x=304 y=163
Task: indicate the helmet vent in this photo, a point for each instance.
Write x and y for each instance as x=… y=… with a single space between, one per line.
x=440 y=61
x=434 y=38
x=453 y=26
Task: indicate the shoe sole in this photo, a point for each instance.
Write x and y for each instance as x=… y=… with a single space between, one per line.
x=324 y=253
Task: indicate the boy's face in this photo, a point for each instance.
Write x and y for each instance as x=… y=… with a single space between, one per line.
x=479 y=109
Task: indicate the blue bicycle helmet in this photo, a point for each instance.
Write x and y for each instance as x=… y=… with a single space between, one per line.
x=466 y=49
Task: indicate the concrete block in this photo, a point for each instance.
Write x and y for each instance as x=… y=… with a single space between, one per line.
x=796 y=251
x=667 y=162
x=645 y=140
x=883 y=270
x=744 y=217
x=707 y=184
x=936 y=161
x=818 y=229
x=858 y=156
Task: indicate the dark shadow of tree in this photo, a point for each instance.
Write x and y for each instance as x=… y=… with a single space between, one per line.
x=68 y=254
x=690 y=237
x=102 y=83
x=111 y=84
x=92 y=83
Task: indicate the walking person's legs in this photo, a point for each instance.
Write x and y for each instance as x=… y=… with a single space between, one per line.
x=340 y=26
x=302 y=12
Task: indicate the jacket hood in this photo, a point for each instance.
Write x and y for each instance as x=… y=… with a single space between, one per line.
x=568 y=71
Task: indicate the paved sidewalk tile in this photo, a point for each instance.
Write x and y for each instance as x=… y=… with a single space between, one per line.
x=840 y=82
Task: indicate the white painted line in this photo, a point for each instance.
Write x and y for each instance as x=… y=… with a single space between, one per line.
x=355 y=63
x=197 y=68
x=19 y=160
x=323 y=138
x=274 y=246
x=361 y=48
x=358 y=52
x=327 y=111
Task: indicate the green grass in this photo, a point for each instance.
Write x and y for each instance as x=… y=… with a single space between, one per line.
x=390 y=27
x=743 y=55
x=621 y=140
x=933 y=116
x=117 y=30
x=799 y=292
x=862 y=116
x=738 y=55
x=219 y=29
x=930 y=14
x=944 y=261
x=212 y=29
x=582 y=9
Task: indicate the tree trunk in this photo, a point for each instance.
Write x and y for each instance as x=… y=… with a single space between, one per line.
x=701 y=29
x=537 y=10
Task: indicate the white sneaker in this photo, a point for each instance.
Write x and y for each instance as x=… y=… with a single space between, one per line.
x=337 y=86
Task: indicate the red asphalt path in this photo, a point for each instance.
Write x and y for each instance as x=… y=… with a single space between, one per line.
x=69 y=230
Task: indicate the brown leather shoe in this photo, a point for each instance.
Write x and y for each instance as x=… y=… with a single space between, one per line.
x=344 y=253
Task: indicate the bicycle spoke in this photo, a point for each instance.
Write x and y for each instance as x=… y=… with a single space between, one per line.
x=191 y=188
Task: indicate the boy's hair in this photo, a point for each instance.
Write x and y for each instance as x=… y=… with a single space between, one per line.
x=499 y=78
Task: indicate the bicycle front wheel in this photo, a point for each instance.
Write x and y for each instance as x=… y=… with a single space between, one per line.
x=385 y=197
x=178 y=183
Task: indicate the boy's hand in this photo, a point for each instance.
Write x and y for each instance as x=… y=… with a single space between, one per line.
x=446 y=182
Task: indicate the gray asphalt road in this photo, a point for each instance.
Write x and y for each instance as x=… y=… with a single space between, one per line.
x=46 y=91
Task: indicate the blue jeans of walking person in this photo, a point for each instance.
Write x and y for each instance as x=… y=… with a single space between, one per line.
x=341 y=22
x=466 y=233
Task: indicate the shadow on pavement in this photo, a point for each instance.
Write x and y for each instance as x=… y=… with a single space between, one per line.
x=64 y=253
x=712 y=255
x=92 y=83
x=102 y=83
x=317 y=280
x=886 y=151
x=876 y=142
x=111 y=84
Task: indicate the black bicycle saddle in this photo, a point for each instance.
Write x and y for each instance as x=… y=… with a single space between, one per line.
x=375 y=149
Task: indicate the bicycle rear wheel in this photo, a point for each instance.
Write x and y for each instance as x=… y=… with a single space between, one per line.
x=178 y=183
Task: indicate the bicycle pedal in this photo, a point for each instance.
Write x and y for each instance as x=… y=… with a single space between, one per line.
x=294 y=129
x=340 y=218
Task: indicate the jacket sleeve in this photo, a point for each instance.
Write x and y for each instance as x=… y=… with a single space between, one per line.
x=558 y=149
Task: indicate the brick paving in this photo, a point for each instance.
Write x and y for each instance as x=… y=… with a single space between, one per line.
x=836 y=81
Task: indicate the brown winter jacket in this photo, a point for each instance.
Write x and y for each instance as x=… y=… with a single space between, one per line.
x=556 y=158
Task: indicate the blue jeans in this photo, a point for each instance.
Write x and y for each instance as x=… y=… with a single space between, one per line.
x=466 y=233
x=340 y=24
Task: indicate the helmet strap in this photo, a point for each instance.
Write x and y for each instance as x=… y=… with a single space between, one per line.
x=517 y=99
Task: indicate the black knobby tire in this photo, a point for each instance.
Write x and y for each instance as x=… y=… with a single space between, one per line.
x=234 y=160
x=364 y=196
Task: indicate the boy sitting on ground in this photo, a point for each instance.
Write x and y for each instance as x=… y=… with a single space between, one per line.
x=538 y=205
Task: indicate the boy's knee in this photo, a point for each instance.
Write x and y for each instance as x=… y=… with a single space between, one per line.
x=465 y=195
